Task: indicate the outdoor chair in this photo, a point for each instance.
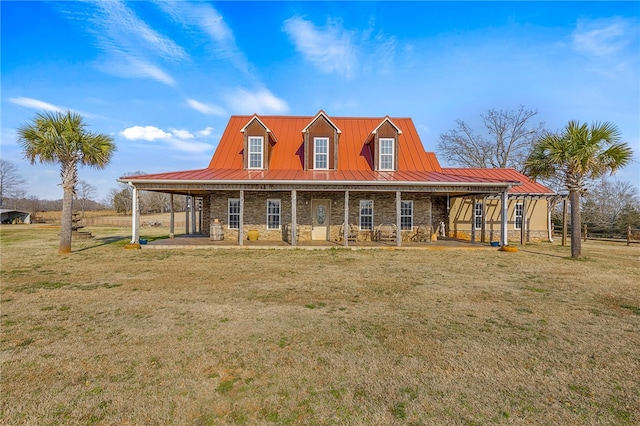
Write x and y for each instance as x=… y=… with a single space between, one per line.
x=386 y=231
x=422 y=233
x=352 y=234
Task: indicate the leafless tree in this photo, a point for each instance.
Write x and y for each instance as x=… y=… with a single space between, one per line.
x=84 y=192
x=606 y=201
x=506 y=142
x=10 y=181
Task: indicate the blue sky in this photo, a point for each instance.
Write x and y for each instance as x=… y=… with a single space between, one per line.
x=163 y=77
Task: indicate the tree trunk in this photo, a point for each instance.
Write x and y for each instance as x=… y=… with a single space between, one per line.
x=576 y=225
x=65 y=232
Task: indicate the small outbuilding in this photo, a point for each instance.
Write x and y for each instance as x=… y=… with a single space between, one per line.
x=15 y=216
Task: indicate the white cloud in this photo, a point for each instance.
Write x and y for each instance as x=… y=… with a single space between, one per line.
x=205 y=132
x=207 y=20
x=147 y=133
x=182 y=134
x=190 y=147
x=259 y=101
x=206 y=109
x=331 y=48
x=176 y=140
x=36 y=104
x=602 y=37
x=131 y=67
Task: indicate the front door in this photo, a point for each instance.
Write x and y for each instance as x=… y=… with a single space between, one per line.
x=321 y=212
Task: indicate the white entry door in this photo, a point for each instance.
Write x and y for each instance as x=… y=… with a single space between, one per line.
x=321 y=212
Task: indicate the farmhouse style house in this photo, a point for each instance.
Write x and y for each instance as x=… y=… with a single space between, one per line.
x=346 y=179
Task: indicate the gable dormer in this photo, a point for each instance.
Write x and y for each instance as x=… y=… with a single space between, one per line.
x=384 y=146
x=259 y=141
x=321 y=138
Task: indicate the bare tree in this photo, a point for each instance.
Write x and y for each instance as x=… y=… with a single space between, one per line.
x=84 y=192
x=10 y=181
x=507 y=141
x=606 y=201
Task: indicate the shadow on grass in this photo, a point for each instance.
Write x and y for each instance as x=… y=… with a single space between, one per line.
x=103 y=242
x=559 y=256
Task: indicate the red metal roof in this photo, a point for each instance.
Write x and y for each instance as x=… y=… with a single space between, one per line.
x=354 y=158
x=527 y=186
x=353 y=154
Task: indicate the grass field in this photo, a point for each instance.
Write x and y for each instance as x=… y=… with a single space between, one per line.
x=205 y=337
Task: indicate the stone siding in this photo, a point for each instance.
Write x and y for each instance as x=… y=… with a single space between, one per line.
x=425 y=212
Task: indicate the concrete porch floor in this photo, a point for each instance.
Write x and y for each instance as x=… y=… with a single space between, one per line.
x=198 y=241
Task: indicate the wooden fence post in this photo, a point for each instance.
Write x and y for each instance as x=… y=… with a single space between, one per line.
x=628 y=234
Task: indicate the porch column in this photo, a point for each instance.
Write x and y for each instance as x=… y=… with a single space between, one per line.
x=171 y=217
x=398 y=218
x=523 y=228
x=193 y=215
x=473 y=219
x=135 y=215
x=483 y=229
x=294 y=218
x=187 y=200
x=241 y=224
x=345 y=227
x=503 y=216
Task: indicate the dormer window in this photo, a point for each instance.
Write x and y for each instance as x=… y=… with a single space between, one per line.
x=321 y=153
x=259 y=141
x=256 y=152
x=387 y=154
x=321 y=139
x=384 y=146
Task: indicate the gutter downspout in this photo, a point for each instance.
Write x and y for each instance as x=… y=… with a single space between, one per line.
x=135 y=215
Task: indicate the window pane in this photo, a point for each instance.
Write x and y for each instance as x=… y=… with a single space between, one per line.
x=518 y=216
x=386 y=154
x=234 y=214
x=478 y=215
x=255 y=153
x=321 y=154
x=273 y=214
x=366 y=215
x=406 y=215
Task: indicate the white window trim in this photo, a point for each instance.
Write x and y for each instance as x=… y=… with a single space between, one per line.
x=229 y=212
x=476 y=215
x=410 y=216
x=392 y=154
x=361 y=215
x=261 y=152
x=315 y=153
x=271 y=214
x=516 y=215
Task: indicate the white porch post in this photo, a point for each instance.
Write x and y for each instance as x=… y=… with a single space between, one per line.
x=346 y=229
x=135 y=215
x=171 y=217
x=193 y=215
x=294 y=218
x=398 y=218
x=473 y=219
x=241 y=224
x=187 y=200
x=503 y=216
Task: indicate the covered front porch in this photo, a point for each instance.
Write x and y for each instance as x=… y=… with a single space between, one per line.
x=298 y=214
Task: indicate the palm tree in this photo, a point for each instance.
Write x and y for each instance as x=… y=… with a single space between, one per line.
x=576 y=154
x=62 y=138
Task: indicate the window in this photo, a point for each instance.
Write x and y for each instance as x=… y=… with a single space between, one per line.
x=406 y=215
x=366 y=215
x=517 y=212
x=321 y=153
x=273 y=214
x=234 y=213
x=386 y=154
x=255 y=152
x=478 y=215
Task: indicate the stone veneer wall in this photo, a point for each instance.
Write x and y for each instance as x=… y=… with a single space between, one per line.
x=255 y=212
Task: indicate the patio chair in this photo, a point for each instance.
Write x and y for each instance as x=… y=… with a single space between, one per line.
x=352 y=235
x=386 y=231
x=422 y=233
